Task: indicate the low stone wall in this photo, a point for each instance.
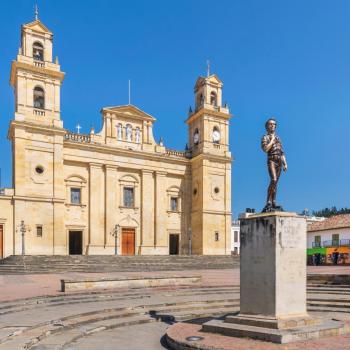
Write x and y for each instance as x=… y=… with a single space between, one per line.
x=126 y=282
x=328 y=279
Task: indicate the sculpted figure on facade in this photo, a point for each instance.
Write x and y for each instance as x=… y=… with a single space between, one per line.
x=128 y=133
x=120 y=132
x=137 y=135
x=276 y=161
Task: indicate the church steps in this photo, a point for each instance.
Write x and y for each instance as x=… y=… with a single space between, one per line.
x=54 y=264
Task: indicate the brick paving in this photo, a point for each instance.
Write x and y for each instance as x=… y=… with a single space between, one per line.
x=14 y=287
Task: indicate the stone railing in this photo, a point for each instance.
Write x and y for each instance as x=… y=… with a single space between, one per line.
x=40 y=112
x=40 y=64
x=83 y=138
x=181 y=154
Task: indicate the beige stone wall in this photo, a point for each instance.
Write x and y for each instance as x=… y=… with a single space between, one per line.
x=6 y=220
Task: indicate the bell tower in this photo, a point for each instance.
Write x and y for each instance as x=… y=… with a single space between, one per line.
x=37 y=134
x=36 y=79
x=208 y=132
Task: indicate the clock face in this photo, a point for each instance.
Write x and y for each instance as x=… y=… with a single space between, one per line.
x=196 y=138
x=216 y=135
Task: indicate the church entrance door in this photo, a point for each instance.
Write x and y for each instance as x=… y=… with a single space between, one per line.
x=173 y=244
x=1 y=241
x=128 y=241
x=75 y=242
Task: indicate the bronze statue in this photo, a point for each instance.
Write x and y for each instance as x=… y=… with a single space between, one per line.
x=276 y=160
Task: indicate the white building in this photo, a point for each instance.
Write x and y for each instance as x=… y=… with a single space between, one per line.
x=235 y=237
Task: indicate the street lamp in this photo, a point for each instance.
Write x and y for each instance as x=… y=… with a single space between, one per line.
x=23 y=229
x=115 y=235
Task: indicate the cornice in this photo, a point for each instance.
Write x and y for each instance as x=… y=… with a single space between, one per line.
x=39 y=199
x=124 y=152
x=211 y=157
x=209 y=112
x=28 y=126
x=39 y=70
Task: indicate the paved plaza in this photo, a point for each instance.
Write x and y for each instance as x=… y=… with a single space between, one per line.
x=34 y=314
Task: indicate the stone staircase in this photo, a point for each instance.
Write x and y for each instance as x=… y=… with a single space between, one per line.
x=17 y=264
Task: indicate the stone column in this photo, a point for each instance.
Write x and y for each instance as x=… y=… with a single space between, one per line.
x=161 y=207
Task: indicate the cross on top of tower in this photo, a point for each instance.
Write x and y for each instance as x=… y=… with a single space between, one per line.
x=208 y=68
x=78 y=128
x=36 y=12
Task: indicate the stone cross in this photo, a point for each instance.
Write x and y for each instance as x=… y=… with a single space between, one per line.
x=78 y=128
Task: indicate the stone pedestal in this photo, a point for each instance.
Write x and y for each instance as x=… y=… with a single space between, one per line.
x=273 y=265
x=273 y=283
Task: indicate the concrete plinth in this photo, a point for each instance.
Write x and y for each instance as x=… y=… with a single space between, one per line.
x=273 y=283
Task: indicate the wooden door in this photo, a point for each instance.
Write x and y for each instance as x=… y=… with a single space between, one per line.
x=128 y=241
x=174 y=244
x=75 y=242
x=1 y=241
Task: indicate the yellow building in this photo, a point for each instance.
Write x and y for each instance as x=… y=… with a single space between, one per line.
x=84 y=193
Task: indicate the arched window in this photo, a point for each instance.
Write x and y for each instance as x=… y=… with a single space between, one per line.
x=213 y=98
x=38 y=51
x=39 y=97
x=200 y=100
x=128 y=129
x=216 y=135
x=196 y=137
x=120 y=132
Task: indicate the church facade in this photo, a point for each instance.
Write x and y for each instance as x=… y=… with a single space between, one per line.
x=115 y=191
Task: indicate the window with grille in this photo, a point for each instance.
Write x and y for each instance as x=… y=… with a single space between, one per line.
x=216 y=236
x=39 y=231
x=128 y=197
x=75 y=196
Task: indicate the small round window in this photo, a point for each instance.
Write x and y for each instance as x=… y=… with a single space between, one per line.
x=39 y=170
x=195 y=191
x=216 y=190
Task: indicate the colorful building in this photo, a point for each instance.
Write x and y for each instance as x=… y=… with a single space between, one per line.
x=331 y=239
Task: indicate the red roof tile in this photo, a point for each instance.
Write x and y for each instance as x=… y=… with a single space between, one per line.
x=337 y=221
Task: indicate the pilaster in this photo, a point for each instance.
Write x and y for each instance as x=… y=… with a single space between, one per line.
x=111 y=174
x=96 y=206
x=160 y=238
x=147 y=211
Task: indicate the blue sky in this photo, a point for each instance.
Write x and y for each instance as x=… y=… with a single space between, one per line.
x=288 y=59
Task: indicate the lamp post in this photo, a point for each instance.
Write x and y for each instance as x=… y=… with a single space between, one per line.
x=115 y=234
x=22 y=229
x=190 y=241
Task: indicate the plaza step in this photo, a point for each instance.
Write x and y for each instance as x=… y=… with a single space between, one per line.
x=17 y=264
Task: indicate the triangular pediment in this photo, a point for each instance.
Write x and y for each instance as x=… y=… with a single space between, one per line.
x=37 y=26
x=129 y=111
x=212 y=79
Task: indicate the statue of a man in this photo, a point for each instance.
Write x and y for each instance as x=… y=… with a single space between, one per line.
x=276 y=160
